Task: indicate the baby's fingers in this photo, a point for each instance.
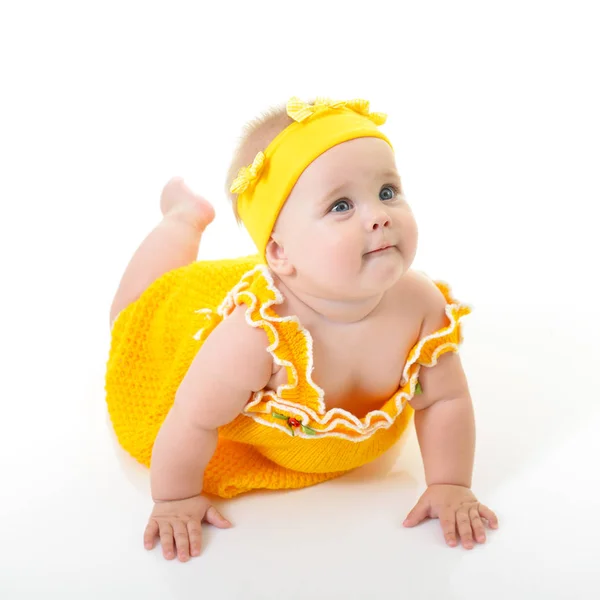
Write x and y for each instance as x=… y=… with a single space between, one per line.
x=150 y=534
x=477 y=524
x=181 y=540
x=463 y=521
x=448 y=523
x=488 y=514
x=166 y=539
x=214 y=517
x=195 y=533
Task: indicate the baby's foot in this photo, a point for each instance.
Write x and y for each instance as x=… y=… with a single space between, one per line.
x=179 y=202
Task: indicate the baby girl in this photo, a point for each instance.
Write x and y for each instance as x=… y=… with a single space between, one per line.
x=295 y=365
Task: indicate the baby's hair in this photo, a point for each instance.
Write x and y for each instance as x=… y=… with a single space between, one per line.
x=257 y=134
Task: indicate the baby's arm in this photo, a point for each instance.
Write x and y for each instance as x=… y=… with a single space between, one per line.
x=445 y=426
x=444 y=418
x=231 y=364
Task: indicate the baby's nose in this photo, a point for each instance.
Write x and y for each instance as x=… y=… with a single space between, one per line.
x=381 y=220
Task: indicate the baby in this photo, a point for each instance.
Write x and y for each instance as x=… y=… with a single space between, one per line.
x=293 y=366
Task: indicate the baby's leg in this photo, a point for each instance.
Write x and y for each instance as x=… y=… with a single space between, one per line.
x=172 y=243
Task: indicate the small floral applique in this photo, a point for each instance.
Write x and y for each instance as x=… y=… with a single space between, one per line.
x=294 y=423
x=418 y=389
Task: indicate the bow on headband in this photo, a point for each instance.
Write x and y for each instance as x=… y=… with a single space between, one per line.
x=248 y=175
x=300 y=111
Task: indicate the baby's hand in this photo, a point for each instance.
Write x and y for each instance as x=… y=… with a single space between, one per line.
x=179 y=520
x=457 y=508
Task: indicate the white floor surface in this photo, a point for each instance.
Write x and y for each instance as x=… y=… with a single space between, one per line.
x=78 y=503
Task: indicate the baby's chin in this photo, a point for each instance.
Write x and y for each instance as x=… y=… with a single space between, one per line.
x=384 y=263
x=360 y=283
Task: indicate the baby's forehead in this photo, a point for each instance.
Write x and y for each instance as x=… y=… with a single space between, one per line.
x=351 y=172
x=358 y=163
x=355 y=158
x=357 y=175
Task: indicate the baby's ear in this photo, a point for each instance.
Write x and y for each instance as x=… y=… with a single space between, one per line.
x=277 y=259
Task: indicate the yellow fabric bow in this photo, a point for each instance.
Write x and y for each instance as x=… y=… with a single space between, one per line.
x=300 y=110
x=362 y=108
x=248 y=175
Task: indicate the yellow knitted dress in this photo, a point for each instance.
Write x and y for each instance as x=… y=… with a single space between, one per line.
x=282 y=440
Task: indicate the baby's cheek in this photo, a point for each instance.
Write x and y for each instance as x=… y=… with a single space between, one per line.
x=344 y=261
x=409 y=235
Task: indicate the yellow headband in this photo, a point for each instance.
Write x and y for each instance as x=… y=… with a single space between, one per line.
x=263 y=186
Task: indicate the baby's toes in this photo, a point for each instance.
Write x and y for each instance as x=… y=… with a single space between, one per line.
x=178 y=201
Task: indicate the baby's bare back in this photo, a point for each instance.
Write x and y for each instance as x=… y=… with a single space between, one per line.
x=359 y=365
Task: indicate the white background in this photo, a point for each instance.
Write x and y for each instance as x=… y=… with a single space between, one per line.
x=493 y=111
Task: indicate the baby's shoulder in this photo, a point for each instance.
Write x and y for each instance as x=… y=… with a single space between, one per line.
x=241 y=347
x=415 y=288
x=418 y=298
x=425 y=293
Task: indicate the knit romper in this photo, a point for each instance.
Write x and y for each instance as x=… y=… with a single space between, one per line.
x=282 y=440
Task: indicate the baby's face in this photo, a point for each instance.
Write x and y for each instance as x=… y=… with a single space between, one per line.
x=347 y=203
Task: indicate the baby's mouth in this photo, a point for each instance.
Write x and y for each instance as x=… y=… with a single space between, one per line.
x=383 y=250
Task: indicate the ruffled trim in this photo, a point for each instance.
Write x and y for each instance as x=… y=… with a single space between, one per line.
x=311 y=419
x=428 y=350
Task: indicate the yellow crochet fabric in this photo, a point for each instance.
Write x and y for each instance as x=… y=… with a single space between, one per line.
x=282 y=440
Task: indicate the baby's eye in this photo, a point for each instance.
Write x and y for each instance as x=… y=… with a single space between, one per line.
x=388 y=192
x=340 y=203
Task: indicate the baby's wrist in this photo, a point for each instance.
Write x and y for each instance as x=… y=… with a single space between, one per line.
x=164 y=500
x=457 y=483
